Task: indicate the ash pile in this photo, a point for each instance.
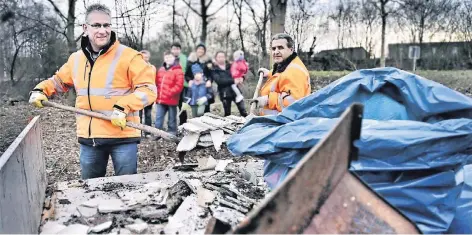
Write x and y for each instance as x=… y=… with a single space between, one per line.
x=179 y=201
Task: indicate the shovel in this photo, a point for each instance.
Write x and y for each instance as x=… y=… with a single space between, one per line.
x=256 y=94
x=145 y=128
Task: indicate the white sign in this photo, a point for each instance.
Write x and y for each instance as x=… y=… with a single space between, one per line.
x=414 y=52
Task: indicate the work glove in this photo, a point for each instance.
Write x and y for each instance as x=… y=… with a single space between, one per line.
x=186 y=107
x=265 y=72
x=118 y=118
x=261 y=101
x=201 y=101
x=36 y=97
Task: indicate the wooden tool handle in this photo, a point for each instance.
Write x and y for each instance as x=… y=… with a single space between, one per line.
x=138 y=126
x=256 y=92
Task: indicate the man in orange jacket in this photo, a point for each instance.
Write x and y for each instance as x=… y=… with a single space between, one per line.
x=109 y=78
x=287 y=82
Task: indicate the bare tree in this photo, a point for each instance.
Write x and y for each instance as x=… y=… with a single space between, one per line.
x=204 y=14
x=69 y=21
x=385 y=9
x=368 y=16
x=260 y=22
x=463 y=25
x=238 y=10
x=301 y=13
x=426 y=16
x=344 y=16
x=278 y=9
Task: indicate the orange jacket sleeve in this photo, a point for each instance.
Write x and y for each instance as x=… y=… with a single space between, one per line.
x=142 y=77
x=61 y=81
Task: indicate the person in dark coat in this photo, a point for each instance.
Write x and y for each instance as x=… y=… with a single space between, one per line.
x=200 y=57
x=220 y=73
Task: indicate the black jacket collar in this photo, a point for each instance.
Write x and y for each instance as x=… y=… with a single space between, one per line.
x=87 y=47
x=279 y=68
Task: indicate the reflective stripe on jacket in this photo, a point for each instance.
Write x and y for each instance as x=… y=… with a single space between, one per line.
x=284 y=88
x=119 y=76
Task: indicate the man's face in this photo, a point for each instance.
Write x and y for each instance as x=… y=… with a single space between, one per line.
x=98 y=29
x=280 y=50
x=200 y=51
x=175 y=51
x=146 y=57
x=220 y=58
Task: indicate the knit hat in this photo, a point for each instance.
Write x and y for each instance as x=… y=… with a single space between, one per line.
x=196 y=68
x=201 y=44
x=238 y=55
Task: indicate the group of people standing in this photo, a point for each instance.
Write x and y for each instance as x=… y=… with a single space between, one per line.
x=118 y=81
x=186 y=83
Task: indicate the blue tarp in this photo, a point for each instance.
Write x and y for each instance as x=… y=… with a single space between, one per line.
x=415 y=148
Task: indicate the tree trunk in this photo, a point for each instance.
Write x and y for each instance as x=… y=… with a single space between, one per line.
x=70 y=27
x=238 y=11
x=278 y=10
x=384 y=25
x=204 y=16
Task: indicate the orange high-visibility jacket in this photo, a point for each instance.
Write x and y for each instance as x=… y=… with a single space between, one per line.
x=119 y=76
x=285 y=87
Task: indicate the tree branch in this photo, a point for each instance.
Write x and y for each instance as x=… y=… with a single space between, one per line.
x=57 y=10
x=212 y=14
x=191 y=8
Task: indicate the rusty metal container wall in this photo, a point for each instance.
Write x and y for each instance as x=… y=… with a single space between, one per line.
x=23 y=182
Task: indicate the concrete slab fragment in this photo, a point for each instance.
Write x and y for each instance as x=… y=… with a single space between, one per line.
x=208 y=163
x=87 y=212
x=188 y=143
x=112 y=205
x=186 y=219
x=75 y=229
x=227 y=215
x=52 y=227
x=150 y=213
x=92 y=203
x=217 y=137
x=139 y=227
x=101 y=227
x=205 y=197
x=221 y=165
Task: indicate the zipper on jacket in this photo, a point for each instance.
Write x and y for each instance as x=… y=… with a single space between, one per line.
x=88 y=89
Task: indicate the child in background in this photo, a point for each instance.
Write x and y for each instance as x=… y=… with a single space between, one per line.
x=169 y=82
x=198 y=93
x=239 y=69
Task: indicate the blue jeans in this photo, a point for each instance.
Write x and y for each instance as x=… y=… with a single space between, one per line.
x=162 y=109
x=94 y=160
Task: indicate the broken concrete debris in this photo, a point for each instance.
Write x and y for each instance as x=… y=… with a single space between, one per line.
x=101 y=227
x=208 y=130
x=138 y=227
x=174 y=202
x=112 y=205
x=205 y=197
x=208 y=163
x=177 y=193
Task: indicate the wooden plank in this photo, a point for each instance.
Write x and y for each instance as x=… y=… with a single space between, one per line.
x=320 y=195
x=22 y=182
x=352 y=208
x=308 y=185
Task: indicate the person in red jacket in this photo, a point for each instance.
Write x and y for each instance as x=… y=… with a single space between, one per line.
x=170 y=83
x=239 y=69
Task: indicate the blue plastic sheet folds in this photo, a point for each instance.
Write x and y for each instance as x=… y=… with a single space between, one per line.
x=415 y=148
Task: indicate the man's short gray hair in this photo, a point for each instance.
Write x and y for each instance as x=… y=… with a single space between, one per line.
x=285 y=36
x=97 y=7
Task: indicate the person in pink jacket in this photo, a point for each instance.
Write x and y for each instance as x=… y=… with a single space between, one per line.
x=239 y=69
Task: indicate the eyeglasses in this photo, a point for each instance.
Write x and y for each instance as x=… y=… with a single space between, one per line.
x=97 y=25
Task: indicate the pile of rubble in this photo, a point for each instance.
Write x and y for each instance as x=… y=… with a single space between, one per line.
x=208 y=130
x=170 y=202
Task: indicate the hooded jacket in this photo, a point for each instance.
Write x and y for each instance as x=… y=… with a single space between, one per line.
x=118 y=78
x=169 y=82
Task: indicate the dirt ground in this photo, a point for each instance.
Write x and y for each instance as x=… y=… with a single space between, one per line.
x=61 y=150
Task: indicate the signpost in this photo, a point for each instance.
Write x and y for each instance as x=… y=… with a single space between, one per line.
x=414 y=54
